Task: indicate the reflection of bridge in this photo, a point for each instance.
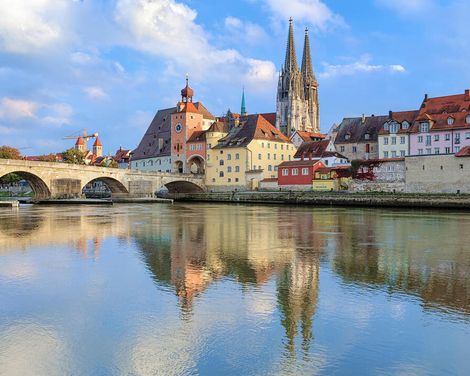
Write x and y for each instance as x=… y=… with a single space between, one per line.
x=61 y=180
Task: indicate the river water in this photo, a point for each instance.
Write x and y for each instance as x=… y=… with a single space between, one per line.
x=213 y=289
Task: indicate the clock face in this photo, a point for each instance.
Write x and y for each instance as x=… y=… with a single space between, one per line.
x=178 y=128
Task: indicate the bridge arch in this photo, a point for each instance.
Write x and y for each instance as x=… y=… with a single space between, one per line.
x=196 y=164
x=114 y=185
x=41 y=190
x=182 y=186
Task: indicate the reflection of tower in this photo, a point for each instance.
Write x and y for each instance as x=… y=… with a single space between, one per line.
x=298 y=296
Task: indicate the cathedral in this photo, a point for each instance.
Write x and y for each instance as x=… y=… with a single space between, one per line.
x=297 y=106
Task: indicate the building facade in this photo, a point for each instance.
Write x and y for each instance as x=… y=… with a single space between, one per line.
x=442 y=125
x=394 y=135
x=297 y=106
x=357 y=138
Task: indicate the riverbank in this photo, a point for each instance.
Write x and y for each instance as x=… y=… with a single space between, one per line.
x=402 y=200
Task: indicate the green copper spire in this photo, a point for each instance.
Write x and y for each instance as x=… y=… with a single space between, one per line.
x=243 y=109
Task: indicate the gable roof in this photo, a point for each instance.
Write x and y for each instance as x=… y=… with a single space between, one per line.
x=252 y=127
x=204 y=111
x=219 y=127
x=357 y=128
x=400 y=117
x=197 y=136
x=314 y=148
x=310 y=136
x=160 y=127
x=271 y=117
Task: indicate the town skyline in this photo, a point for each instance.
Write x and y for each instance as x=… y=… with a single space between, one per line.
x=57 y=79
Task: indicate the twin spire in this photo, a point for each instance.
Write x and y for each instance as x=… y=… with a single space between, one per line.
x=290 y=64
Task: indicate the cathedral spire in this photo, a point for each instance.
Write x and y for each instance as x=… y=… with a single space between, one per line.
x=243 y=107
x=307 y=69
x=291 y=58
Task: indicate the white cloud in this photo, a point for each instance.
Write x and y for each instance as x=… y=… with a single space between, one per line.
x=31 y=25
x=168 y=29
x=245 y=31
x=314 y=12
x=95 y=92
x=360 y=66
x=18 y=109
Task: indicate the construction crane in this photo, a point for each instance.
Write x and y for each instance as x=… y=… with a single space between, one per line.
x=85 y=137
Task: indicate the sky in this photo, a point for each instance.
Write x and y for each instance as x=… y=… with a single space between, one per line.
x=109 y=65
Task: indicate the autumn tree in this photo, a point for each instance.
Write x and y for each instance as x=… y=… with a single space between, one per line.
x=73 y=156
x=9 y=152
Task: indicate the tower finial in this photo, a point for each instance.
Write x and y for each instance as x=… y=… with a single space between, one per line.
x=307 y=68
x=243 y=106
x=291 y=58
x=290 y=19
x=187 y=79
x=306 y=30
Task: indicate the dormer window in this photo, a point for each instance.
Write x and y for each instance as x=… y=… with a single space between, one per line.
x=405 y=125
x=347 y=137
x=386 y=127
x=367 y=136
x=393 y=128
x=467 y=119
x=450 y=120
x=424 y=126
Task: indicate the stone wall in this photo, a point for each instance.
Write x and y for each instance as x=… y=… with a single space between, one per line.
x=374 y=186
x=437 y=174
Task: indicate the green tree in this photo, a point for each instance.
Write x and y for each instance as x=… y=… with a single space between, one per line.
x=73 y=156
x=9 y=152
x=113 y=164
x=10 y=178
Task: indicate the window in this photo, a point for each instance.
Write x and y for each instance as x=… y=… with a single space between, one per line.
x=342 y=148
x=229 y=157
x=367 y=136
x=457 y=138
x=191 y=147
x=237 y=168
x=289 y=157
x=436 y=151
x=229 y=180
x=237 y=156
x=269 y=145
x=467 y=119
x=275 y=146
x=236 y=179
x=305 y=171
x=450 y=120
x=402 y=153
x=282 y=157
x=275 y=168
x=424 y=127
x=394 y=154
x=420 y=151
x=295 y=171
x=405 y=125
x=457 y=149
x=402 y=139
x=447 y=136
x=420 y=139
x=285 y=172
x=269 y=155
x=262 y=144
x=221 y=162
x=259 y=156
x=467 y=135
x=447 y=150
x=428 y=140
x=221 y=174
x=270 y=168
x=428 y=150
x=393 y=128
x=354 y=149
x=436 y=137
x=385 y=154
x=274 y=156
x=394 y=140
x=386 y=141
x=229 y=169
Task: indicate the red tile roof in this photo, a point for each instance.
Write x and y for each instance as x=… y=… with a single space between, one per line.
x=204 y=111
x=197 y=136
x=315 y=148
x=306 y=162
x=464 y=152
x=79 y=141
x=97 y=142
x=310 y=136
x=271 y=117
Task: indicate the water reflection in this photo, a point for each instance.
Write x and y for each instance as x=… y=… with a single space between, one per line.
x=265 y=252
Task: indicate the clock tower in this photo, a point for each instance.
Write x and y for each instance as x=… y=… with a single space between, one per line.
x=186 y=120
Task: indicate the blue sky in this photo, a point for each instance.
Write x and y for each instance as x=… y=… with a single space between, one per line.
x=109 y=65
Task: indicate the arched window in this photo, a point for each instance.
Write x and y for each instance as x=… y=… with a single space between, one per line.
x=450 y=120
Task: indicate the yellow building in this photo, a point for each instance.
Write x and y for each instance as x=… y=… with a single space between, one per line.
x=253 y=145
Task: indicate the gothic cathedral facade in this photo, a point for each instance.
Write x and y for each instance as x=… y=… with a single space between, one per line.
x=297 y=107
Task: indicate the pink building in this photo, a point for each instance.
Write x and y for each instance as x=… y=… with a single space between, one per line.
x=442 y=125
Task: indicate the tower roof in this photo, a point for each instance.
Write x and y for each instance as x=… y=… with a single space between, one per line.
x=307 y=68
x=187 y=92
x=243 y=107
x=97 y=142
x=291 y=58
x=79 y=141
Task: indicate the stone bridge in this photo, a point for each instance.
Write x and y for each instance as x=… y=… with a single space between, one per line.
x=62 y=180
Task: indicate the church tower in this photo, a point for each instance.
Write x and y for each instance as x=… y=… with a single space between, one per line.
x=297 y=91
x=310 y=88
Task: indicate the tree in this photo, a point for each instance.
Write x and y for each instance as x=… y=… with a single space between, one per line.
x=10 y=178
x=113 y=164
x=9 y=152
x=48 y=158
x=73 y=156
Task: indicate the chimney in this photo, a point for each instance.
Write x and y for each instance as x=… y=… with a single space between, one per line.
x=425 y=97
x=467 y=95
x=390 y=114
x=363 y=118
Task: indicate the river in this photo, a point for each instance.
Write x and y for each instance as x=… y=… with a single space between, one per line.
x=214 y=289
